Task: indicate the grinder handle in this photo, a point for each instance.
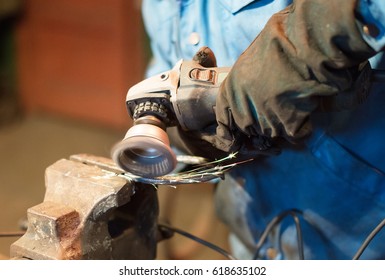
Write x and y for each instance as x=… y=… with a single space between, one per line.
x=194 y=101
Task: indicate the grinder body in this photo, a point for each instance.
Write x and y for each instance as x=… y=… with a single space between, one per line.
x=184 y=96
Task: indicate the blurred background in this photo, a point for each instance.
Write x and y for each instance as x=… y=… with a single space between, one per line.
x=65 y=68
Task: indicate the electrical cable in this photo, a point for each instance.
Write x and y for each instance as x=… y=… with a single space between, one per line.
x=370 y=237
x=12 y=234
x=200 y=226
x=199 y=240
x=274 y=222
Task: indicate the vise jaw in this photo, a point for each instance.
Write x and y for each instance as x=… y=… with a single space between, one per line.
x=89 y=212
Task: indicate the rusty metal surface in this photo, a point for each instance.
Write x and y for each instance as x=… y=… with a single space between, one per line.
x=89 y=213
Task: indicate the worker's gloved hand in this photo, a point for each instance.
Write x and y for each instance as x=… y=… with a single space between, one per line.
x=201 y=142
x=306 y=56
x=195 y=142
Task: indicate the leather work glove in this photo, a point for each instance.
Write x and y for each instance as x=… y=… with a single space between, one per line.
x=307 y=55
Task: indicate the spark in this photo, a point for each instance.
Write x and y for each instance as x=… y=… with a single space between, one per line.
x=203 y=172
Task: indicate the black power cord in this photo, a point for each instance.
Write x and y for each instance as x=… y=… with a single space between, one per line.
x=274 y=222
x=370 y=237
x=12 y=234
x=197 y=239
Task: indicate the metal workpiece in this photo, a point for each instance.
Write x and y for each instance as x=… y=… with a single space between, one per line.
x=89 y=212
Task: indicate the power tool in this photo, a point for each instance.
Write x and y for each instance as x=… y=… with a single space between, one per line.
x=184 y=96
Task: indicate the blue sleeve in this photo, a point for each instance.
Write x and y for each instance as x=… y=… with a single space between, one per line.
x=372 y=22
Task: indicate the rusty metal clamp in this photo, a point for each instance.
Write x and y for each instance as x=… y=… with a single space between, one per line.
x=90 y=213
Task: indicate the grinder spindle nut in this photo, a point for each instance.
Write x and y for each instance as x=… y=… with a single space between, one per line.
x=152 y=108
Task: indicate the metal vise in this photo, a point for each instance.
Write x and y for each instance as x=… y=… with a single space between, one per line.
x=89 y=212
